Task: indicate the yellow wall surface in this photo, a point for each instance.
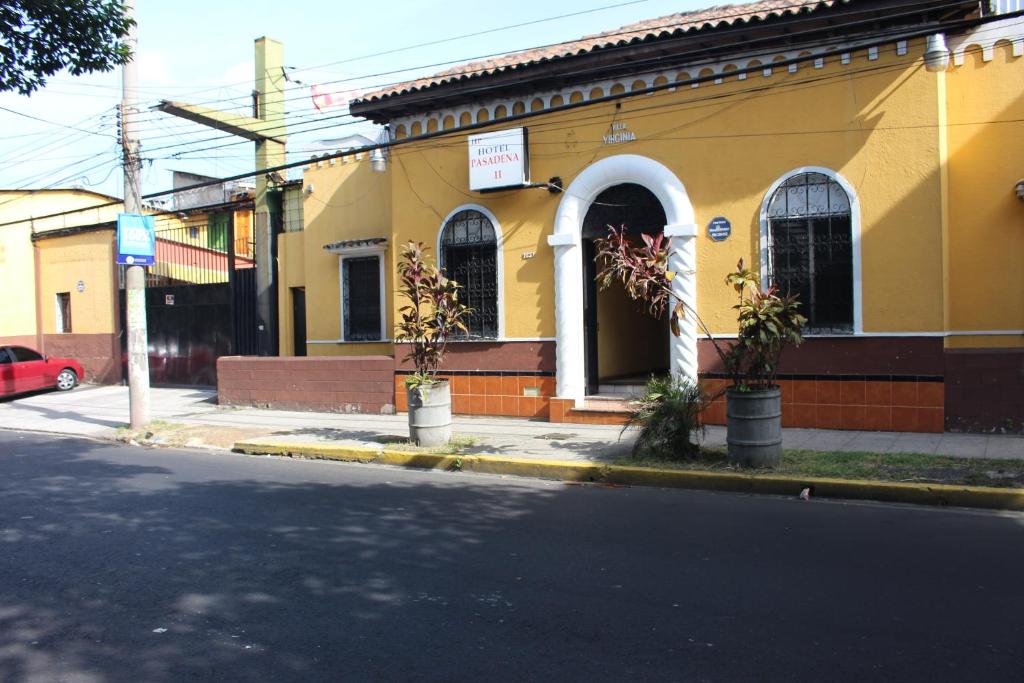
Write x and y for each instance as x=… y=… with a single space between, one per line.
x=86 y=257
x=873 y=122
x=347 y=201
x=986 y=233
x=880 y=124
x=17 y=278
x=640 y=352
x=17 y=270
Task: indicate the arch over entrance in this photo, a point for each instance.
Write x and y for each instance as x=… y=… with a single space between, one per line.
x=566 y=239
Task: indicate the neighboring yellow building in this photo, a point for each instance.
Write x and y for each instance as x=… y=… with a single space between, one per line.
x=60 y=287
x=63 y=271
x=874 y=174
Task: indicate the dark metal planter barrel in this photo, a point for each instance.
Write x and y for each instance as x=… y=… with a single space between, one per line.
x=430 y=414
x=754 y=427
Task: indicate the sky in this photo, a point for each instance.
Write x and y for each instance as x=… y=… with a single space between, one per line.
x=202 y=52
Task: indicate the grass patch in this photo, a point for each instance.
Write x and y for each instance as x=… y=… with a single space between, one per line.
x=457 y=445
x=900 y=467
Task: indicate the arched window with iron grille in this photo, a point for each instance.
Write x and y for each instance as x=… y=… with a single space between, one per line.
x=469 y=255
x=811 y=249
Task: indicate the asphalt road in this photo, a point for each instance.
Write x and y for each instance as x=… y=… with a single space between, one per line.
x=124 y=564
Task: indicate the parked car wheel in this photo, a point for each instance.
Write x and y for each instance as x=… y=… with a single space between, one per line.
x=67 y=379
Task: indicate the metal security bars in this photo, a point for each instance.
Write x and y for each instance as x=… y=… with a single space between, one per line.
x=469 y=256
x=812 y=249
x=195 y=252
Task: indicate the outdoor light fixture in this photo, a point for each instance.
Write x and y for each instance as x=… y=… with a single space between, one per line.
x=936 y=54
x=378 y=162
x=307 y=188
x=1019 y=189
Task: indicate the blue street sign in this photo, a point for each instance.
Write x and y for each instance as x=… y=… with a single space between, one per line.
x=719 y=228
x=136 y=239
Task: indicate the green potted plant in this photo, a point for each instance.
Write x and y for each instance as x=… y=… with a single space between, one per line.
x=430 y=319
x=767 y=323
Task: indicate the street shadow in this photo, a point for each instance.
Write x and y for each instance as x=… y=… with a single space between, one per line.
x=253 y=579
x=126 y=564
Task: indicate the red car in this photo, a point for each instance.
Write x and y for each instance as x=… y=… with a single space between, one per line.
x=22 y=369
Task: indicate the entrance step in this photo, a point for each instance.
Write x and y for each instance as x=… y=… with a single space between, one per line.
x=620 y=389
x=602 y=410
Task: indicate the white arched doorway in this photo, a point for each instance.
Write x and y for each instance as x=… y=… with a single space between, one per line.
x=566 y=240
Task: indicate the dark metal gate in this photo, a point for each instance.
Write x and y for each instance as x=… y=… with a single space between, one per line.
x=200 y=300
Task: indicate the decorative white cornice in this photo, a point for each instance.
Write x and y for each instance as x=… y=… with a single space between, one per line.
x=470 y=113
x=986 y=37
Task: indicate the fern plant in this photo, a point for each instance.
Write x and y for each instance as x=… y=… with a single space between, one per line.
x=668 y=416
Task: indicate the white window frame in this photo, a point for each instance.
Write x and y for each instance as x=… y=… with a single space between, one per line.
x=766 y=251
x=379 y=251
x=61 y=324
x=499 y=246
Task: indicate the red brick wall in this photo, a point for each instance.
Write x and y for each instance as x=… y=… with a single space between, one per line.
x=99 y=354
x=985 y=390
x=341 y=384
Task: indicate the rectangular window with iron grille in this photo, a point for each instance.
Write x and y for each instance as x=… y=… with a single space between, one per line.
x=361 y=298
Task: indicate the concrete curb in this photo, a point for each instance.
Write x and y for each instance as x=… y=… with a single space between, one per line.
x=564 y=470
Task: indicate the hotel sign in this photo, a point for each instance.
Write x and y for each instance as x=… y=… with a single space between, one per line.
x=498 y=160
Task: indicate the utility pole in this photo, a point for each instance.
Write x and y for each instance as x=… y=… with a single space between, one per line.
x=135 y=280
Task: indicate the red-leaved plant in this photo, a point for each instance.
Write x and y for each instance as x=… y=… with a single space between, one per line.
x=432 y=316
x=767 y=321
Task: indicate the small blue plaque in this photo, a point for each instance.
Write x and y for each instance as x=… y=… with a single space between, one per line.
x=136 y=239
x=719 y=228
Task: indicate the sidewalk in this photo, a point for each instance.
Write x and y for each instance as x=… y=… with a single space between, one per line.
x=100 y=411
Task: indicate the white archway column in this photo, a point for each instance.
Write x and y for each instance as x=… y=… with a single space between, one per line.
x=569 y=370
x=566 y=240
x=682 y=259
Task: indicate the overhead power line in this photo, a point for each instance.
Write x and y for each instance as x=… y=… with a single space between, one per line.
x=461 y=130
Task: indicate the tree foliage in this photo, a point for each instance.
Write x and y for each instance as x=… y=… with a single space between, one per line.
x=38 y=38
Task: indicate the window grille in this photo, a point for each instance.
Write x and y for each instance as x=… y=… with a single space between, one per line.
x=812 y=249
x=469 y=255
x=361 y=277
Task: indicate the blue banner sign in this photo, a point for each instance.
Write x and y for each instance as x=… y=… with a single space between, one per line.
x=136 y=239
x=719 y=228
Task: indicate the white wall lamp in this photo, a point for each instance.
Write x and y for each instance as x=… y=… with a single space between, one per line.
x=378 y=161
x=936 y=54
x=1019 y=189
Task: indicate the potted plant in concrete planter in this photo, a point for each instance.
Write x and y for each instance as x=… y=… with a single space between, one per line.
x=767 y=323
x=432 y=316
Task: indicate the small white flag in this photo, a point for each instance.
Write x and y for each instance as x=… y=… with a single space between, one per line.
x=326 y=96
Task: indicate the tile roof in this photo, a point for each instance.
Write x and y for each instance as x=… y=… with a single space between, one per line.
x=672 y=25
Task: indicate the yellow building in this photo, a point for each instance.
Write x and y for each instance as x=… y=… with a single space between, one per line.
x=60 y=278
x=863 y=154
x=57 y=261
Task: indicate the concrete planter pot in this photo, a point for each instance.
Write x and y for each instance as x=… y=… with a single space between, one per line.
x=754 y=427
x=430 y=414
